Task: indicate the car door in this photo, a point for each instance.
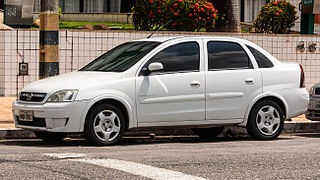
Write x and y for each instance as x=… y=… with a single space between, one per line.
x=232 y=80
x=177 y=94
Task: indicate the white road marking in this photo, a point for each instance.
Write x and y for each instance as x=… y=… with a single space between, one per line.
x=65 y=155
x=130 y=167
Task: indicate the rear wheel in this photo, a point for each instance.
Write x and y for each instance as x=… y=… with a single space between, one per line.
x=208 y=132
x=104 y=125
x=266 y=120
x=50 y=136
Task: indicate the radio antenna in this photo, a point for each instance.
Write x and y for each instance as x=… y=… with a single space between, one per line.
x=156 y=30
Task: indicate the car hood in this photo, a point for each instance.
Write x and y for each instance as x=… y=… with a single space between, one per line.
x=75 y=80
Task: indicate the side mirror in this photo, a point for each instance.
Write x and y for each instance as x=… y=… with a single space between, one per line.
x=153 y=67
x=156 y=66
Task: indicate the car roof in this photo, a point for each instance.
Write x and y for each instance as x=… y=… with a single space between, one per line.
x=170 y=38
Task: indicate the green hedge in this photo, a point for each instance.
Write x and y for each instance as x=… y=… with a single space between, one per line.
x=276 y=17
x=184 y=15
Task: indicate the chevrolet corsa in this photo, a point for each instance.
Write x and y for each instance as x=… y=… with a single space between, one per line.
x=203 y=83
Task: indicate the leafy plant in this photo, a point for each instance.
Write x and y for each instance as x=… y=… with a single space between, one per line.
x=276 y=17
x=184 y=15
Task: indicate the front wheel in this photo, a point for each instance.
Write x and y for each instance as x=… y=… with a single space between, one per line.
x=104 y=125
x=265 y=121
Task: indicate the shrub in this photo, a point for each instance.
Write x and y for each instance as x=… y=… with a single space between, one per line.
x=276 y=17
x=184 y=15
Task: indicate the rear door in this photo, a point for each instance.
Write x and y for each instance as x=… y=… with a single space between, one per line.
x=232 y=80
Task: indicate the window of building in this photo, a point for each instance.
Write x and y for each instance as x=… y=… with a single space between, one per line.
x=182 y=57
x=262 y=60
x=227 y=55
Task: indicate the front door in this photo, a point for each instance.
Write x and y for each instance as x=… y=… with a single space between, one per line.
x=176 y=93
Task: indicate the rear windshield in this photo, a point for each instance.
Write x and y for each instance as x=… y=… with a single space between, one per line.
x=122 y=57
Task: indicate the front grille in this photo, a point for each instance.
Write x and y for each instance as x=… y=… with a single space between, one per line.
x=37 y=122
x=32 y=97
x=317 y=91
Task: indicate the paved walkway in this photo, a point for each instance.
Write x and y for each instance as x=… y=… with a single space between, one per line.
x=6 y=119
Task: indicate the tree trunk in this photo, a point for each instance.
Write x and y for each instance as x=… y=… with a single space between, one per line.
x=229 y=16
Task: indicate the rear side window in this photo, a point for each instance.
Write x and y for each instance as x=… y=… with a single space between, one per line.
x=262 y=60
x=227 y=55
x=182 y=57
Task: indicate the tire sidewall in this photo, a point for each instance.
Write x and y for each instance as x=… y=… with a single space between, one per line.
x=252 y=127
x=89 y=127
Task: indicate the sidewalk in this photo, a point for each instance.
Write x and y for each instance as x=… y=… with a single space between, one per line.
x=7 y=130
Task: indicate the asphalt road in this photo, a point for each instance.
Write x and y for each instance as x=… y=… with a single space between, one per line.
x=290 y=157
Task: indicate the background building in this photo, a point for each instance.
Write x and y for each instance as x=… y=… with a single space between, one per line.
x=92 y=6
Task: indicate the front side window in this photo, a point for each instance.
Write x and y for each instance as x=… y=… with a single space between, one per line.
x=182 y=57
x=262 y=60
x=122 y=57
x=227 y=55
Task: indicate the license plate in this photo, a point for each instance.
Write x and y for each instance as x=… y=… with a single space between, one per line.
x=25 y=115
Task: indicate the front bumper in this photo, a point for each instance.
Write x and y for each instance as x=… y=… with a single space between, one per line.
x=313 y=112
x=53 y=117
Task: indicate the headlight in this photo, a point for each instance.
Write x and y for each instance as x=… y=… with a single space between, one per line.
x=311 y=91
x=63 y=96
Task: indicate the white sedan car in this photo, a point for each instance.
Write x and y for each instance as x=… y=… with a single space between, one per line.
x=203 y=83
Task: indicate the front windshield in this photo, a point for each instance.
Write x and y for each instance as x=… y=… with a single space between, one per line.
x=122 y=57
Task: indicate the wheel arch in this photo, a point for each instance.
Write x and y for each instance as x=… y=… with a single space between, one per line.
x=272 y=96
x=123 y=104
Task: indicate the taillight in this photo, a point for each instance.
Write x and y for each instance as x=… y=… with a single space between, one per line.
x=301 y=77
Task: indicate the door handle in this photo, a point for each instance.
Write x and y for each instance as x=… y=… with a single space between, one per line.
x=249 y=80
x=195 y=84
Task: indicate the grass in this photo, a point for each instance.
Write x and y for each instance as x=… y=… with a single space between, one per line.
x=78 y=25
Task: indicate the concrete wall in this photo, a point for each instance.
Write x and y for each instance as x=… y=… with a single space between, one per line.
x=2 y=63
x=97 y=17
x=78 y=48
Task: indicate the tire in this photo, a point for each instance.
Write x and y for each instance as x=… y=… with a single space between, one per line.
x=208 y=132
x=105 y=125
x=265 y=121
x=50 y=136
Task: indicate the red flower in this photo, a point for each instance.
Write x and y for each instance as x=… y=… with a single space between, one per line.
x=175 y=5
x=214 y=22
x=159 y=11
x=208 y=18
x=285 y=3
x=280 y=11
x=190 y=15
x=259 y=13
x=203 y=19
x=214 y=15
x=277 y=14
x=176 y=14
x=151 y=1
x=173 y=24
x=195 y=14
x=195 y=19
x=180 y=0
x=202 y=9
x=217 y=11
x=200 y=18
x=275 y=3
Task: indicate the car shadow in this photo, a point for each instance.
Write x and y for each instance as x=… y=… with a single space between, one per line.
x=126 y=141
x=309 y=135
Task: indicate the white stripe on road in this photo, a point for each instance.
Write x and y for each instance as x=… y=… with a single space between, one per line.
x=133 y=168
x=65 y=155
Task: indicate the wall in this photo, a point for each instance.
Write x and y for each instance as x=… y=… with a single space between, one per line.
x=98 y=17
x=2 y=63
x=77 y=48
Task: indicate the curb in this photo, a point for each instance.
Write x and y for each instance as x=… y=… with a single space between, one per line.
x=229 y=131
